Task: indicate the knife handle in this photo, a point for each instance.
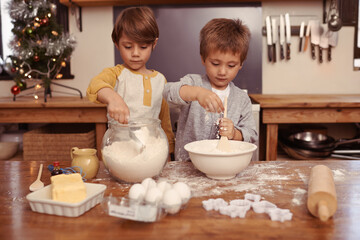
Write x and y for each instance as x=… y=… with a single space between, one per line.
x=270 y=53
x=287 y=51
x=306 y=43
x=313 y=51
x=329 y=53
x=282 y=56
x=274 y=53
x=320 y=54
x=300 y=45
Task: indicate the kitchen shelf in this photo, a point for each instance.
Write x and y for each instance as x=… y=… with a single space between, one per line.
x=96 y=3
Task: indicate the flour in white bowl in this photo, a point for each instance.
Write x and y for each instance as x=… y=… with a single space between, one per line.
x=210 y=147
x=126 y=164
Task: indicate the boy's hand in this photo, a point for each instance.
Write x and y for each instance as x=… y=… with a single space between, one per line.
x=209 y=100
x=118 y=110
x=206 y=98
x=116 y=106
x=227 y=128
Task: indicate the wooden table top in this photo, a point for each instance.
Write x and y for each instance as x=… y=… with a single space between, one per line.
x=283 y=183
x=52 y=102
x=306 y=100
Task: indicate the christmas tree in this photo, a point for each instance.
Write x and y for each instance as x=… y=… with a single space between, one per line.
x=40 y=47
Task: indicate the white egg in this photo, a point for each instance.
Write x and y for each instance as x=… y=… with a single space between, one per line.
x=153 y=195
x=148 y=183
x=137 y=192
x=184 y=191
x=172 y=201
x=163 y=186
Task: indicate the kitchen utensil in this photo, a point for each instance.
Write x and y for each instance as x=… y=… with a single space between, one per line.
x=310 y=145
x=315 y=36
x=223 y=144
x=38 y=184
x=318 y=141
x=139 y=145
x=87 y=160
x=217 y=164
x=269 y=37
x=274 y=37
x=288 y=35
x=301 y=35
x=333 y=40
x=307 y=35
x=321 y=202
x=282 y=36
x=334 y=21
x=298 y=154
x=324 y=41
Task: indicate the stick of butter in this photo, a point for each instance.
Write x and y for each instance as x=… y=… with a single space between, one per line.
x=68 y=188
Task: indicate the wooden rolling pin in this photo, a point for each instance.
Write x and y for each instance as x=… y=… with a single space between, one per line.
x=321 y=201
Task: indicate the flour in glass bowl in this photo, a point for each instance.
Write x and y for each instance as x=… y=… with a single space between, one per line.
x=126 y=164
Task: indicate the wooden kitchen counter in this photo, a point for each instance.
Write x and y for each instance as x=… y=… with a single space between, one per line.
x=303 y=108
x=283 y=183
x=55 y=110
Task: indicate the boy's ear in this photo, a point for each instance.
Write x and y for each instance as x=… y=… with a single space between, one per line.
x=155 y=42
x=117 y=46
x=241 y=65
x=202 y=61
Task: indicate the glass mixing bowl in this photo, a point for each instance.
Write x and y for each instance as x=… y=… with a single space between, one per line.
x=135 y=151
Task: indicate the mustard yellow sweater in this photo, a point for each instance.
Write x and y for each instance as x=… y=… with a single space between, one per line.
x=142 y=93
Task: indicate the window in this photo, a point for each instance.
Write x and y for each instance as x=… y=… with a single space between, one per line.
x=6 y=34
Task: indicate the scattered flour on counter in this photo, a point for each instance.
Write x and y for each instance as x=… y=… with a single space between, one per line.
x=299 y=196
x=255 y=179
x=339 y=175
x=302 y=176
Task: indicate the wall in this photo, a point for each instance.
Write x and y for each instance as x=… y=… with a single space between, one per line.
x=95 y=51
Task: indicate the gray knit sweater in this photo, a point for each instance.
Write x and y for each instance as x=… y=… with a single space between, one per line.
x=195 y=123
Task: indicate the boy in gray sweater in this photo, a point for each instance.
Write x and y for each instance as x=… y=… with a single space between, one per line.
x=223 y=48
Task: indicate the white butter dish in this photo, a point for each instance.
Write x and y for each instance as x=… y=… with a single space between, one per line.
x=40 y=201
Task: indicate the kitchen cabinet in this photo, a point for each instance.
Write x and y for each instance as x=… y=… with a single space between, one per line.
x=301 y=108
x=55 y=110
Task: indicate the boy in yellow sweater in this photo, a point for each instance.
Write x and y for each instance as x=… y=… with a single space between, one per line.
x=130 y=89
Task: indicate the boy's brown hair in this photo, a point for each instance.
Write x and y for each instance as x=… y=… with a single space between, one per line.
x=138 y=23
x=225 y=35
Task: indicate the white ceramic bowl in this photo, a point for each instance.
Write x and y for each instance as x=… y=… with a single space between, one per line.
x=217 y=164
x=8 y=150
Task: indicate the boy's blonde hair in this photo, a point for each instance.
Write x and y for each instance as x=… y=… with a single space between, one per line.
x=138 y=23
x=225 y=35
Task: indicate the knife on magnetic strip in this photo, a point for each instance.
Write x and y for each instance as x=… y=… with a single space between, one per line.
x=301 y=35
x=282 y=36
x=288 y=35
x=268 y=37
x=274 y=37
x=315 y=36
x=307 y=35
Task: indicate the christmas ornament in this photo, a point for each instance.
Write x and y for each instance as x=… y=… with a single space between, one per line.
x=15 y=90
x=39 y=44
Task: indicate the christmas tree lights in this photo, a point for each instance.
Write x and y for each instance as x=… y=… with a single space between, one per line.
x=40 y=47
